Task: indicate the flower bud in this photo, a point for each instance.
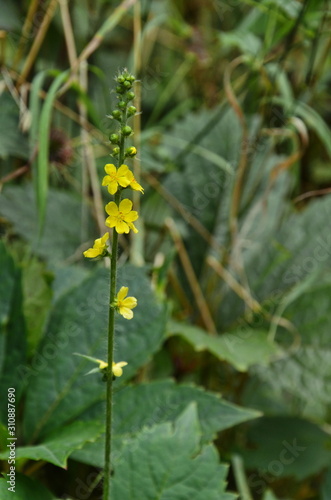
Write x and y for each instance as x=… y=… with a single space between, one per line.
x=131 y=151
x=126 y=130
x=131 y=78
x=130 y=96
x=114 y=139
x=127 y=85
x=120 y=79
x=116 y=151
x=120 y=90
x=116 y=114
x=122 y=104
x=132 y=110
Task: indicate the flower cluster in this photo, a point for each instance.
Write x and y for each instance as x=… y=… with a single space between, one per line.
x=121 y=217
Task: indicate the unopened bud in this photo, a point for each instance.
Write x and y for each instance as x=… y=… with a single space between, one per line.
x=114 y=139
x=126 y=130
x=130 y=96
x=132 y=110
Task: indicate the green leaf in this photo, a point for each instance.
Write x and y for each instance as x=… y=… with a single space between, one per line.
x=269 y=495
x=61 y=236
x=26 y=488
x=312 y=119
x=58 y=391
x=241 y=348
x=285 y=446
x=43 y=149
x=326 y=486
x=37 y=299
x=12 y=329
x=57 y=447
x=146 y=405
x=168 y=462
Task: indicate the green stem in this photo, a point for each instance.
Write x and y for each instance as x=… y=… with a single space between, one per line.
x=111 y=334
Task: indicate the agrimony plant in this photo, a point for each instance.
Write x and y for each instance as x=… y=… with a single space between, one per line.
x=120 y=219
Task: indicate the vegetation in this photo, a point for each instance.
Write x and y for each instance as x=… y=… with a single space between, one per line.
x=226 y=391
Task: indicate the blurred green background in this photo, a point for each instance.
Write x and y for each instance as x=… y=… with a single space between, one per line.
x=231 y=265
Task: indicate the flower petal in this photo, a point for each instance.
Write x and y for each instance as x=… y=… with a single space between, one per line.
x=121 y=226
x=102 y=365
x=122 y=293
x=133 y=227
x=111 y=221
x=110 y=169
x=122 y=171
x=106 y=180
x=112 y=187
x=91 y=253
x=126 y=312
x=129 y=302
x=111 y=208
x=125 y=206
x=123 y=181
x=105 y=237
x=131 y=216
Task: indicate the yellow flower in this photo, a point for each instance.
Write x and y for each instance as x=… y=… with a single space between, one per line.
x=99 y=247
x=134 y=184
x=124 y=304
x=116 y=177
x=102 y=364
x=117 y=368
x=121 y=217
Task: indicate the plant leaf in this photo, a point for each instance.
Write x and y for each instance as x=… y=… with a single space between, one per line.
x=287 y=446
x=57 y=447
x=26 y=488
x=147 y=405
x=58 y=391
x=168 y=462
x=241 y=348
x=12 y=329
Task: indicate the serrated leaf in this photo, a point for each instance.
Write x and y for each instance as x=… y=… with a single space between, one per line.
x=240 y=348
x=56 y=448
x=167 y=462
x=26 y=488
x=149 y=404
x=58 y=391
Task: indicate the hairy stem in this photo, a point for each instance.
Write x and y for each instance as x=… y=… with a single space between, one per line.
x=111 y=333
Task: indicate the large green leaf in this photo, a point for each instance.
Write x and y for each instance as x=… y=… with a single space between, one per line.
x=285 y=446
x=146 y=405
x=61 y=236
x=37 y=299
x=241 y=348
x=12 y=329
x=26 y=488
x=57 y=447
x=168 y=462
x=299 y=383
x=58 y=391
